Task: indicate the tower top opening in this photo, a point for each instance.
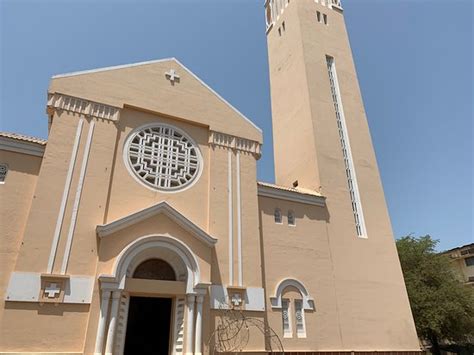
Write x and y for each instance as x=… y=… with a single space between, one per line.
x=275 y=8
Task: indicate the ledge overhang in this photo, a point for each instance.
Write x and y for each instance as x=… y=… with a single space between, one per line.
x=164 y=208
x=288 y=194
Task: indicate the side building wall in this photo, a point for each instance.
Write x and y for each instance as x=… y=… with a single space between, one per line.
x=16 y=194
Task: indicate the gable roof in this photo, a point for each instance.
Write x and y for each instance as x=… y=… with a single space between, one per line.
x=160 y=208
x=112 y=99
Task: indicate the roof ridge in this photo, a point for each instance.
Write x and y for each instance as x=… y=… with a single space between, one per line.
x=113 y=67
x=23 y=137
x=298 y=190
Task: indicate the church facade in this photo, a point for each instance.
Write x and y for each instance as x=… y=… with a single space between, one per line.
x=139 y=226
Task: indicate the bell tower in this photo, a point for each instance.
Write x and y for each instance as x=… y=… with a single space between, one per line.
x=322 y=143
x=320 y=133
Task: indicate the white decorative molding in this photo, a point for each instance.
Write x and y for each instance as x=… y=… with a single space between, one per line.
x=254 y=298
x=163 y=157
x=58 y=101
x=230 y=217
x=273 y=11
x=160 y=208
x=136 y=249
x=62 y=207
x=350 y=170
x=102 y=324
x=239 y=219
x=308 y=301
x=237 y=143
x=111 y=333
x=266 y=190
x=25 y=287
x=178 y=329
x=77 y=199
x=335 y=4
x=122 y=322
x=23 y=147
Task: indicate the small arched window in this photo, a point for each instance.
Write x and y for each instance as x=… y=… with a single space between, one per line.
x=3 y=173
x=155 y=269
x=277 y=215
x=293 y=299
x=291 y=218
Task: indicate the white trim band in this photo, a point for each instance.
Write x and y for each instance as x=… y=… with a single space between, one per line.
x=293 y=196
x=77 y=199
x=13 y=145
x=25 y=287
x=231 y=217
x=239 y=220
x=62 y=208
x=58 y=101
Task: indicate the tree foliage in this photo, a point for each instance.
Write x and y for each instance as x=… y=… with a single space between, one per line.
x=443 y=308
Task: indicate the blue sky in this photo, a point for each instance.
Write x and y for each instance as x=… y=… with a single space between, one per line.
x=414 y=61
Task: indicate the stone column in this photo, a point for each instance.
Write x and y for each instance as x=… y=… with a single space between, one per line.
x=109 y=346
x=190 y=298
x=104 y=312
x=198 y=336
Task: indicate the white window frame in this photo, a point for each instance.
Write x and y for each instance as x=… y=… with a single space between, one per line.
x=300 y=333
x=279 y=219
x=291 y=214
x=286 y=306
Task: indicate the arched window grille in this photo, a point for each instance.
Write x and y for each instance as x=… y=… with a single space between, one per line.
x=3 y=172
x=291 y=218
x=277 y=215
x=155 y=269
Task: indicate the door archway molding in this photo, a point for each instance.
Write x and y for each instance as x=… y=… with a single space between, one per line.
x=113 y=287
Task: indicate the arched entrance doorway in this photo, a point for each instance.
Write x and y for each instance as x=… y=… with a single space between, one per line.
x=150 y=318
x=156 y=300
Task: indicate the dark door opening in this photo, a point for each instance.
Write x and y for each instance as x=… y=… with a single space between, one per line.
x=148 y=326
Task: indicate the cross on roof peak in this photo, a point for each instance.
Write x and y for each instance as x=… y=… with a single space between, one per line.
x=172 y=76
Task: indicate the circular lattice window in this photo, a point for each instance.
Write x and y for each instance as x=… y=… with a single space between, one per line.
x=163 y=157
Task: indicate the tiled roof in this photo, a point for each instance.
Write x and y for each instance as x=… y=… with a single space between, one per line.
x=290 y=189
x=471 y=245
x=23 y=138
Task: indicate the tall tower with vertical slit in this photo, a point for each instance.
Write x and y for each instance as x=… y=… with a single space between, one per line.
x=322 y=143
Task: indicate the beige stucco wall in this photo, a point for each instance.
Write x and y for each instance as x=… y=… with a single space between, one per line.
x=16 y=195
x=301 y=252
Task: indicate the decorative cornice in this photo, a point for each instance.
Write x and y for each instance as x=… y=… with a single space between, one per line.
x=280 y=193
x=160 y=208
x=237 y=143
x=21 y=146
x=57 y=101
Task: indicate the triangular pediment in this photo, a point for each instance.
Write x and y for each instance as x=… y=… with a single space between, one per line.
x=147 y=86
x=162 y=208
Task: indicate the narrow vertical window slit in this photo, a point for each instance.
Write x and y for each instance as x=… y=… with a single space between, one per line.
x=345 y=146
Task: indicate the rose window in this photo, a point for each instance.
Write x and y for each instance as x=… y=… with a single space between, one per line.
x=163 y=157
